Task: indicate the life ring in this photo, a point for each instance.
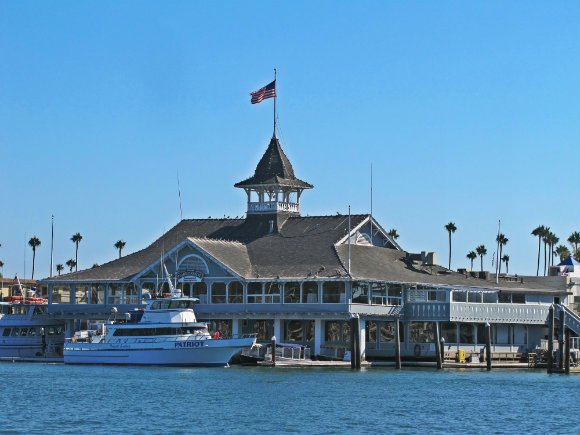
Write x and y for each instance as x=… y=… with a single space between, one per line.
x=417 y=350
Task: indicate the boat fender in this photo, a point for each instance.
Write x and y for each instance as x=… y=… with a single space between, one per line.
x=417 y=350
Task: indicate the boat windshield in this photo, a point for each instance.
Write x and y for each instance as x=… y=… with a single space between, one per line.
x=172 y=304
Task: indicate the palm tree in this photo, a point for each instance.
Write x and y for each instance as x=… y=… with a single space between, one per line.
x=563 y=252
x=577 y=255
x=451 y=228
x=481 y=251
x=552 y=240
x=2 y=267
x=34 y=242
x=120 y=245
x=539 y=233
x=393 y=233
x=59 y=268
x=502 y=240
x=574 y=239
x=71 y=263
x=472 y=256
x=545 y=240
x=506 y=260
x=76 y=238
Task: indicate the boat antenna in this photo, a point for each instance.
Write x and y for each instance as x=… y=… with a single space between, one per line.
x=179 y=194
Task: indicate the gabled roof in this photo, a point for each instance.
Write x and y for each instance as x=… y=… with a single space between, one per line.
x=569 y=261
x=274 y=168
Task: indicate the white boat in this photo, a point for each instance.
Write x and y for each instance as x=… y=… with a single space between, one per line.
x=167 y=333
x=27 y=332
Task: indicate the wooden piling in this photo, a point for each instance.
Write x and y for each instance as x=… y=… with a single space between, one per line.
x=274 y=351
x=357 y=342
x=488 y=345
x=397 y=345
x=567 y=352
x=437 y=347
x=550 y=359
x=352 y=343
x=561 y=340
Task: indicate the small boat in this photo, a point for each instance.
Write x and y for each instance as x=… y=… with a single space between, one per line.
x=26 y=331
x=285 y=352
x=165 y=333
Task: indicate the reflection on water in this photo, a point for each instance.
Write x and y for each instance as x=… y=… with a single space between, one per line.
x=43 y=398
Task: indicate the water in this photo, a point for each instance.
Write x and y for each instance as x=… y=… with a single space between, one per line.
x=54 y=398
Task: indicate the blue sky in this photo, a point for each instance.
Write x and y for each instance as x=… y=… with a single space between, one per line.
x=468 y=112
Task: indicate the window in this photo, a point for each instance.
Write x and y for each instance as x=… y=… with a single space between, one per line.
x=449 y=332
x=310 y=292
x=395 y=294
x=360 y=293
x=272 y=293
x=255 y=293
x=337 y=332
x=474 y=297
x=235 y=292
x=387 y=332
x=294 y=331
x=466 y=333
x=218 y=293
x=333 y=292
x=520 y=333
x=502 y=334
x=505 y=298
x=459 y=296
x=372 y=331
x=518 y=298
x=292 y=293
x=199 y=290
x=6 y=332
x=421 y=332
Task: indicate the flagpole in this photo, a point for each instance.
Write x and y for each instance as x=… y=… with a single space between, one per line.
x=274 y=135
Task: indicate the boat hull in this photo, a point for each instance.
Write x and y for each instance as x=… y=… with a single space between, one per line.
x=176 y=353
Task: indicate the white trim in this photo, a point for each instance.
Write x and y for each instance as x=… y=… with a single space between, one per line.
x=206 y=271
x=375 y=225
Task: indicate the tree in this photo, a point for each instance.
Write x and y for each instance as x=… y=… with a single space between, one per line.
x=71 y=263
x=552 y=240
x=34 y=243
x=95 y=265
x=481 y=251
x=120 y=245
x=577 y=255
x=76 y=238
x=539 y=233
x=506 y=260
x=502 y=240
x=472 y=256
x=451 y=228
x=563 y=252
x=574 y=239
x=393 y=233
x=59 y=268
x=2 y=267
x=545 y=240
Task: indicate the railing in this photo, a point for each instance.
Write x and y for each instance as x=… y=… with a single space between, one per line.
x=571 y=319
x=499 y=313
x=427 y=311
x=290 y=353
x=257 y=207
x=84 y=343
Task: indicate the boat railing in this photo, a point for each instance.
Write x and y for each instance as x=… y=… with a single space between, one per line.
x=91 y=338
x=296 y=353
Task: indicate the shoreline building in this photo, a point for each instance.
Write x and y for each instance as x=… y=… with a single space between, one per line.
x=301 y=278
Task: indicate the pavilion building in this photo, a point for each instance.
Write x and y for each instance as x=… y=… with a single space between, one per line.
x=301 y=278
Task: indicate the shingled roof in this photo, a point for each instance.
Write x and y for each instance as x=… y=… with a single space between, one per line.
x=302 y=247
x=274 y=168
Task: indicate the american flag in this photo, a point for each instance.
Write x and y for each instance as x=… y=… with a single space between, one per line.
x=268 y=91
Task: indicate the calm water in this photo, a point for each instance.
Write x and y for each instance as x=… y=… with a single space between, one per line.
x=41 y=398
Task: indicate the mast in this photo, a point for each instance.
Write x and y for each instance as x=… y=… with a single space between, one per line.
x=51 y=247
x=274 y=135
x=349 y=239
x=372 y=204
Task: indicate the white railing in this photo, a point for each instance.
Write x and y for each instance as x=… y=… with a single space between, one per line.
x=260 y=207
x=499 y=313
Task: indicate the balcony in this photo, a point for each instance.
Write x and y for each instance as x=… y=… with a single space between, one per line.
x=477 y=312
